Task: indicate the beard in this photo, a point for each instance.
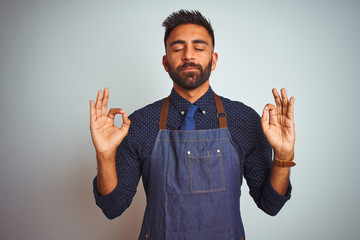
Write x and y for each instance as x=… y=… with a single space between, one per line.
x=190 y=80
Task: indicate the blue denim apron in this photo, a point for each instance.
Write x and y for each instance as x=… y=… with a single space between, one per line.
x=194 y=184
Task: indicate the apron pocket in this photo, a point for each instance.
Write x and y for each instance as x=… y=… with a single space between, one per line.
x=206 y=173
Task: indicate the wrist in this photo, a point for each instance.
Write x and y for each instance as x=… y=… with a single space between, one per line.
x=106 y=157
x=284 y=156
x=284 y=160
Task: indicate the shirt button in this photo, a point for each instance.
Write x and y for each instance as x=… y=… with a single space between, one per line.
x=182 y=112
x=204 y=112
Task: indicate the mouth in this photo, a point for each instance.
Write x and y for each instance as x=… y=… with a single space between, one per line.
x=189 y=69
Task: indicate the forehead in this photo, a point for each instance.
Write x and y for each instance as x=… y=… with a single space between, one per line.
x=189 y=32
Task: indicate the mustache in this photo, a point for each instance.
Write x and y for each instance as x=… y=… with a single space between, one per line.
x=189 y=64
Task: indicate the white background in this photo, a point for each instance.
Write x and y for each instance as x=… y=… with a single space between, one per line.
x=56 y=55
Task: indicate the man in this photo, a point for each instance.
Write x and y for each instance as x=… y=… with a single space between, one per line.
x=193 y=148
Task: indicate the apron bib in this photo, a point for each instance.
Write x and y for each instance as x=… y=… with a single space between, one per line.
x=194 y=184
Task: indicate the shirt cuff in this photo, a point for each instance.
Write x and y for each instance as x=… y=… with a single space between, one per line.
x=271 y=193
x=109 y=200
x=272 y=201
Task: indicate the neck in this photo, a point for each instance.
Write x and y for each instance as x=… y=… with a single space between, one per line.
x=194 y=94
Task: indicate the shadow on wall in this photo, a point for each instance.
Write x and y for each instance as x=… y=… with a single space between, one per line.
x=92 y=223
x=58 y=203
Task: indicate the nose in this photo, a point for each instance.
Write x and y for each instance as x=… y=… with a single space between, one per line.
x=188 y=54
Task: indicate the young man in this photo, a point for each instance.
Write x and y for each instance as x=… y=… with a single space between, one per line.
x=193 y=148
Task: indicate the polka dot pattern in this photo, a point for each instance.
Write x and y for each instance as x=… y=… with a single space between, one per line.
x=133 y=156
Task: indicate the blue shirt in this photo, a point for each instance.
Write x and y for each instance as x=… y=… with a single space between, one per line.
x=133 y=156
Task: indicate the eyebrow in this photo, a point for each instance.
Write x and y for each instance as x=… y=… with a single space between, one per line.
x=193 y=41
x=199 y=41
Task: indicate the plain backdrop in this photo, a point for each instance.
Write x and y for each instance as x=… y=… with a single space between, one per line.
x=56 y=55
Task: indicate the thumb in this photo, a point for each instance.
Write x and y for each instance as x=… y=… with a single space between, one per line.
x=126 y=122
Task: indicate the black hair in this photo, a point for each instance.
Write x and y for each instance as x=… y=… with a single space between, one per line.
x=187 y=17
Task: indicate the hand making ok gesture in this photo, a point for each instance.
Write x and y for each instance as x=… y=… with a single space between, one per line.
x=105 y=135
x=278 y=125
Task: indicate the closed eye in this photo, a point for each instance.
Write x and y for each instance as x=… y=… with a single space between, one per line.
x=177 y=50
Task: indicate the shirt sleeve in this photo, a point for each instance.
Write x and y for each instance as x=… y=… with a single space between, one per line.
x=128 y=171
x=257 y=170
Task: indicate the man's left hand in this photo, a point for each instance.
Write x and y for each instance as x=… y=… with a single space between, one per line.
x=278 y=125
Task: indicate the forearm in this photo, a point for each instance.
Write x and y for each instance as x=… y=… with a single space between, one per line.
x=280 y=174
x=106 y=180
x=280 y=178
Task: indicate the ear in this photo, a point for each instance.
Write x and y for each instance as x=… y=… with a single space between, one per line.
x=214 y=60
x=164 y=63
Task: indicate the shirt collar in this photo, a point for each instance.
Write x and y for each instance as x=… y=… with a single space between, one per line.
x=205 y=103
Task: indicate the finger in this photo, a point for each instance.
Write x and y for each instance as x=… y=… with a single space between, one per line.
x=92 y=111
x=290 y=111
x=268 y=113
x=98 y=104
x=105 y=102
x=264 y=119
x=277 y=100
x=284 y=98
x=114 y=111
x=272 y=111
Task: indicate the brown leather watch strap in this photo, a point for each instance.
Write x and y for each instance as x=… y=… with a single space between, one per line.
x=285 y=163
x=282 y=163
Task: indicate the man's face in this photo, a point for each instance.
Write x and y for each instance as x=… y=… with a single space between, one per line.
x=189 y=56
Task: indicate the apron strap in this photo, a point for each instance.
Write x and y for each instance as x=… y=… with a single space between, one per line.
x=221 y=115
x=164 y=113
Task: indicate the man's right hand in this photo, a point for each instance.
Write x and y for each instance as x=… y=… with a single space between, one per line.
x=106 y=138
x=105 y=135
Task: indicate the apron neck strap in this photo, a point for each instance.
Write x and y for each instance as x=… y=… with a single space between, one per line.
x=164 y=113
x=221 y=115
